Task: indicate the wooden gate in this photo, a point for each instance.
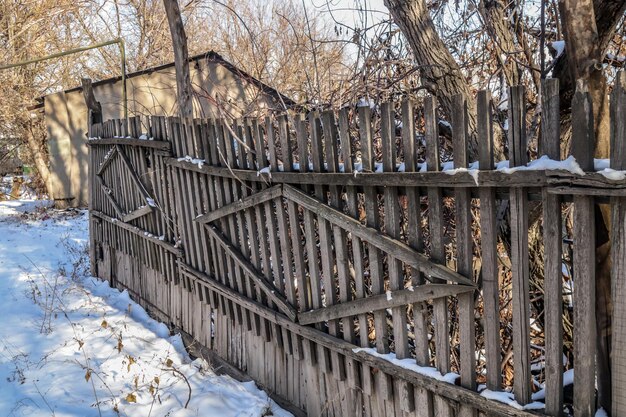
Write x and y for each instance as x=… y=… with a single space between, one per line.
x=340 y=264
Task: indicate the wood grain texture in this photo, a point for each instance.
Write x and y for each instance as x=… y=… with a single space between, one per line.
x=552 y=238
x=519 y=250
x=618 y=250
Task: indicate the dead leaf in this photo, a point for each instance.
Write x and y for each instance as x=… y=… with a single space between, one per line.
x=131 y=398
x=169 y=363
x=88 y=375
x=104 y=324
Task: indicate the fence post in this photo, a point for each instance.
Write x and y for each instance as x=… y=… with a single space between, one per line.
x=464 y=252
x=488 y=242
x=618 y=249
x=519 y=248
x=553 y=278
x=583 y=142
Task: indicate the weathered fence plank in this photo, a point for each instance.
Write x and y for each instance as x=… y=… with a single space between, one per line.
x=552 y=238
x=584 y=261
x=488 y=245
x=519 y=248
x=618 y=249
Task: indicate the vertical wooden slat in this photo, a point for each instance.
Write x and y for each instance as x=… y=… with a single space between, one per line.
x=375 y=257
x=339 y=235
x=327 y=256
x=272 y=215
x=311 y=284
x=422 y=398
x=618 y=249
x=354 y=378
x=488 y=244
x=304 y=300
x=583 y=143
x=519 y=248
x=396 y=272
x=464 y=250
x=263 y=261
x=437 y=251
x=372 y=219
x=435 y=224
x=553 y=282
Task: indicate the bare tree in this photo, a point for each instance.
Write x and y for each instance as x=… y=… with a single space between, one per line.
x=181 y=58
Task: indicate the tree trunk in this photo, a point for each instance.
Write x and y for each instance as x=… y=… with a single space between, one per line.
x=439 y=71
x=585 y=54
x=500 y=32
x=181 y=57
x=39 y=155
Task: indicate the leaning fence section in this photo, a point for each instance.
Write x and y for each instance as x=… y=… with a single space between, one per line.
x=352 y=265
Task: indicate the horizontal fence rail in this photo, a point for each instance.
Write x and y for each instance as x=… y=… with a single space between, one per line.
x=352 y=265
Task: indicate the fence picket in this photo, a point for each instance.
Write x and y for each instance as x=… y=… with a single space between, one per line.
x=618 y=249
x=437 y=249
x=464 y=252
x=519 y=248
x=583 y=140
x=488 y=244
x=553 y=283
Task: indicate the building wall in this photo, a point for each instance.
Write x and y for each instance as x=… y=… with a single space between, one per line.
x=148 y=94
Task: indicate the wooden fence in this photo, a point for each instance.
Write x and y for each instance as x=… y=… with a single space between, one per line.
x=333 y=260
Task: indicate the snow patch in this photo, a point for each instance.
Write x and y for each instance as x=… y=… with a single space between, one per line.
x=410 y=364
x=509 y=399
x=559 y=47
x=195 y=161
x=267 y=171
x=543 y=163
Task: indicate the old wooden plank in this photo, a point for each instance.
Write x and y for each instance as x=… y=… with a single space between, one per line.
x=358 y=376
x=519 y=249
x=596 y=192
x=286 y=280
x=368 y=178
x=327 y=255
x=293 y=226
x=488 y=245
x=108 y=158
x=313 y=336
x=420 y=396
x=435 y=226
x=242 y=204
x=135 y=214
x=553 y=283
x=262 y=283
x=618 y=250
x=154 y=144
x=464 y=251
x=339 y=242
x=372 y=218
x=584 y=262
x=374 y=237
x=390 y=299
x=309 y=224
x=392 y=219
x=108 y=193
x=139 y=232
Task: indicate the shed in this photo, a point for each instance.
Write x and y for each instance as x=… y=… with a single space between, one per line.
x=220 y=89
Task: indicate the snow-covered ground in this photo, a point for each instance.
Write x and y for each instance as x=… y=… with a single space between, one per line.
x=72 y=346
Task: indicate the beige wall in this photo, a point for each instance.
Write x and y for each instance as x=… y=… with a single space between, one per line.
x=148 y=94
